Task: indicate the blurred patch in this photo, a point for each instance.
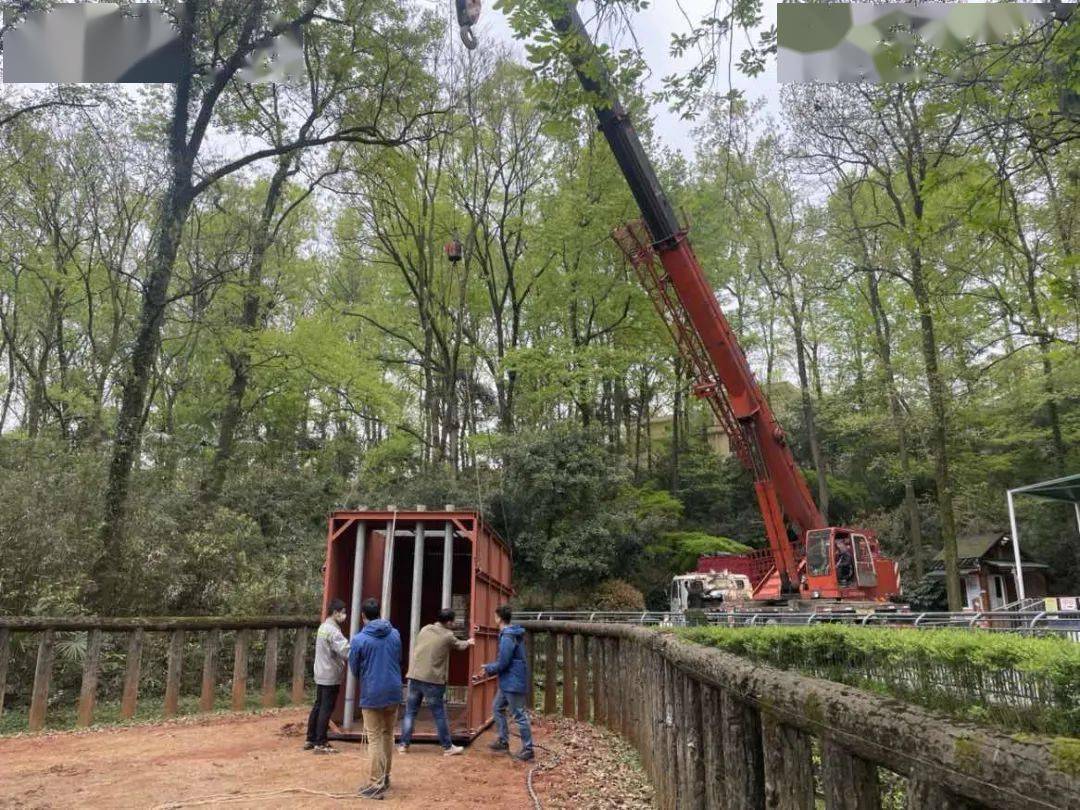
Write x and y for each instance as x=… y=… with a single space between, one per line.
x=111 y=43
x=879 y=42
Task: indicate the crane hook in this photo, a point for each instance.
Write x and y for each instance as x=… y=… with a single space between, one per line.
x=468 y=14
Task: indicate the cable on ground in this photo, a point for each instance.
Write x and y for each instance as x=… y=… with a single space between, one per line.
x=230 y=798
x=556 y=758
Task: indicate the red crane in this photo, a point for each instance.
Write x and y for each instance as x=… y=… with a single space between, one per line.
x=821 y=561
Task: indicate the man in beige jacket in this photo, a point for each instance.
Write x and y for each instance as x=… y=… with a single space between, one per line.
x=428 y=668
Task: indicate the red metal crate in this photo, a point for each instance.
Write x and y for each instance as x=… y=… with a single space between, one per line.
x=479 y=583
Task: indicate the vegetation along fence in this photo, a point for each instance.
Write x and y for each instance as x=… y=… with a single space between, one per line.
x=718 y=731
x=42 y=660
x=1021 y=683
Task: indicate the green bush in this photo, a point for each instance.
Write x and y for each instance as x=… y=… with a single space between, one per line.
x=686 y=547
x=617 y=594
x=1024 y=683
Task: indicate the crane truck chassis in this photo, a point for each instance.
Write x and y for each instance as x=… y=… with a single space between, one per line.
x=819 y=562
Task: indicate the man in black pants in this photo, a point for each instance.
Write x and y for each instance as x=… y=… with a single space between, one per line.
x=331 y=653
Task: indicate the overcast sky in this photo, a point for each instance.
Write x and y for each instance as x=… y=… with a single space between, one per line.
x=653 y=28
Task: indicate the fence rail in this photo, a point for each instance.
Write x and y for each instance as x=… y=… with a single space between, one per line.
x=130 y=638
x=1027 y=622
x=714 y=730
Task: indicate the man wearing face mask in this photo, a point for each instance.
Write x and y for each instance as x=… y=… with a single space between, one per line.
x=331 y=653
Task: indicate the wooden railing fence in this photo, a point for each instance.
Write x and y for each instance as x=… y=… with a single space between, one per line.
x=269 y=631
x=717 y=731
x=713 y=730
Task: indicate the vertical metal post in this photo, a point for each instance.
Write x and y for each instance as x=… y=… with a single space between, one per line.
x=388 y=567
x=417 y=584
x=1016 y=549
x=1076 y=506
x=354 y=620
x=448 y=564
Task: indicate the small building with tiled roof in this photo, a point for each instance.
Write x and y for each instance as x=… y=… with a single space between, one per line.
x=988 y=571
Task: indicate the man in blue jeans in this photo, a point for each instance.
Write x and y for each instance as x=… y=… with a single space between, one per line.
x=513 y=674
x=429 y=666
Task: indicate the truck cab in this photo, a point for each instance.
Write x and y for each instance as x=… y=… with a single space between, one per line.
x=709 y=591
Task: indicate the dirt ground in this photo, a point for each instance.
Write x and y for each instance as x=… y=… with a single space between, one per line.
x=245 y=762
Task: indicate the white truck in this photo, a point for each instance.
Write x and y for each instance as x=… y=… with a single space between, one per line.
x=709 y=591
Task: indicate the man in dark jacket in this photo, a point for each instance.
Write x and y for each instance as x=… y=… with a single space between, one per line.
x=375 y=660
x=513 y=674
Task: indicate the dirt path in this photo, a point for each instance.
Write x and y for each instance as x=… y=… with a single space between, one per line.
x=238 y=756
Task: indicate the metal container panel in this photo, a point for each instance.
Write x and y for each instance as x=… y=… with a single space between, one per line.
x=481 y=577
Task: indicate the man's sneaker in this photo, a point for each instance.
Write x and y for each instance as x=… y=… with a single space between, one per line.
x=499 y=745
x=453 y=751
x=373 y=792
x=403 y=749
x=325 y=749
x=525 y=756
x=309 y=745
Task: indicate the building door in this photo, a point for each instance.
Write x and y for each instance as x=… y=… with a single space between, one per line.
x=997 y=591
x=973 y=593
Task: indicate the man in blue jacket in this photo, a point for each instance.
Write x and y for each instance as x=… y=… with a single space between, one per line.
x=375 y=660
x=513 y=674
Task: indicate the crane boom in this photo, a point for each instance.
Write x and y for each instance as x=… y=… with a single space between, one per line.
x=753 y=429
x=661 y=253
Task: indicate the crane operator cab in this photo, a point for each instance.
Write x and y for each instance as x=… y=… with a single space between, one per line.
x=847 y=563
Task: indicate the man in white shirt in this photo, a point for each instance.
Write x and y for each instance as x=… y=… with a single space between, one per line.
x=331 y=653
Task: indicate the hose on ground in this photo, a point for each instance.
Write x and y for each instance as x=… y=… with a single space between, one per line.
x=536 y=766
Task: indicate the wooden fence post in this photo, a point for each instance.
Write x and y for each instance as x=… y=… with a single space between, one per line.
x=299 y=656
x=209 y=670
x=91 y=668
x=712 y=733
x=667 y=743
x=678 y=716
x=550 y=664
x=618 y=705
x=744 y=778
x=239 y=685
x=5 y=655
x=691 y=731
x=39 y=698
x=849 y=782
x=568 y=675
x=651 y=718
x=923 y=794
x=131 y=674
x=789 y=772
x=530 y=647
x=582 y=666
x=596 y=646
x=632 y=688
x=175 y=669
x=174 y=672
x=269 y=687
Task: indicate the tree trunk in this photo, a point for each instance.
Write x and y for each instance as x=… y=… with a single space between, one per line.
x=175 y=206
x=883 y=336
x=939 y=434
x=808 y=411
x=240 y=360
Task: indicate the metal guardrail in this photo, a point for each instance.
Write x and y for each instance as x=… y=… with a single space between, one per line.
x=1039 y=622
